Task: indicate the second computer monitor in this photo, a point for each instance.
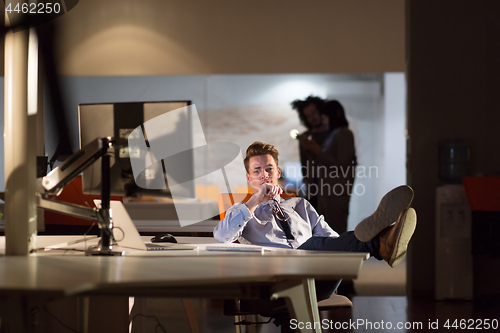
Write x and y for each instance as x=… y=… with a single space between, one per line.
x=119 y=120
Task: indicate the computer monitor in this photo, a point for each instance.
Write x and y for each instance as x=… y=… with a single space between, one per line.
x=119 y=120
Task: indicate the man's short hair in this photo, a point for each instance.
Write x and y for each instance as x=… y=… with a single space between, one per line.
x=260 y=148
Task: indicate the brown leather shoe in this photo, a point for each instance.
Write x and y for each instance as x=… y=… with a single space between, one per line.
x=394 y=239
x=388 y=210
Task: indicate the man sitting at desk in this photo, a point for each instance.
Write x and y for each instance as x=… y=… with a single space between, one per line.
x=266 y=219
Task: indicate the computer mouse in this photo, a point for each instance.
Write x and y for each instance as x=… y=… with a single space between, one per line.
x=164 y=238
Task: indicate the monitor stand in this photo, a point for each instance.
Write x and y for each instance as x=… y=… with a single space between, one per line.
x=59 y=177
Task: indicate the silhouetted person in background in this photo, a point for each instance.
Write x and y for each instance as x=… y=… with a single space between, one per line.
x=335 y=162
x=317 y=130
x=328 y=160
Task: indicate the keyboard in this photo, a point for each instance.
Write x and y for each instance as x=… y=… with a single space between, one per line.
x=168 y=246
x=235 y=248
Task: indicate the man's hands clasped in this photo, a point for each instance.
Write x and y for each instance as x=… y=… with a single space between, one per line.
x=267 y=192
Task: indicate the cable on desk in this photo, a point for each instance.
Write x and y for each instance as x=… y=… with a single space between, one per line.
x=67 y=250
x=58 y=320
x=158 y=324
x=86 y=233
x=73 y=250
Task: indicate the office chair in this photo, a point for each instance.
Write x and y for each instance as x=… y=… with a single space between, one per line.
x=265 y=308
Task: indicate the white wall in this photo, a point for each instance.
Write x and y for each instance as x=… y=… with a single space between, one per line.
x=394 y=168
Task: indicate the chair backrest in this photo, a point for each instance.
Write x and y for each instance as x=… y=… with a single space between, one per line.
x=207 y=192
x=226 y=200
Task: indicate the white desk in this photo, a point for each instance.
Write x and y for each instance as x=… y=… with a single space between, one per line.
x=195 y=273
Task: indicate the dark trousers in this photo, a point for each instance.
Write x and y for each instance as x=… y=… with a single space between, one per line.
x=346 y=242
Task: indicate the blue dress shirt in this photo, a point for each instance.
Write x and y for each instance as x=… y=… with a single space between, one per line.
x=262 y=228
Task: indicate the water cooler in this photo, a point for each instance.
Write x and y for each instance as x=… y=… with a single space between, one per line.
x=454 y=266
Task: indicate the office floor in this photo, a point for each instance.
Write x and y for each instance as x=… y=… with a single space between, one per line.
x=379 y=279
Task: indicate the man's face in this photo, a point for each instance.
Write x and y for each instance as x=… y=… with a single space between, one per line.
x=312 y=115
x=262 y=169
